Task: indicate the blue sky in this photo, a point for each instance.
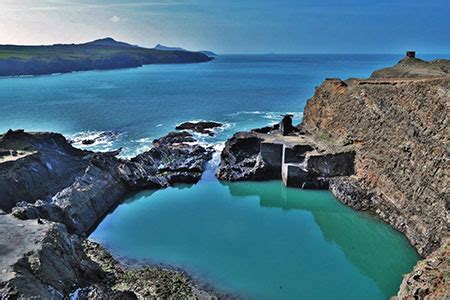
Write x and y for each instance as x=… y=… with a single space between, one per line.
x=236 y=26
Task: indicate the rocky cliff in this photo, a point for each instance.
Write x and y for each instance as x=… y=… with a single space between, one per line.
x=52 y=195
x=379 y=144
x=398 y=128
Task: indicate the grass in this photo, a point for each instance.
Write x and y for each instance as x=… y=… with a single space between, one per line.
x=75 y=52
x=38 y=60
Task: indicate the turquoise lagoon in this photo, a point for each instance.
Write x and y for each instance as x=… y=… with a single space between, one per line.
x=256 y=240
x=261 y=240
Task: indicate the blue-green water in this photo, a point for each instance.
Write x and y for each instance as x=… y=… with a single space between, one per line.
x=259 y=240
x=138 y=105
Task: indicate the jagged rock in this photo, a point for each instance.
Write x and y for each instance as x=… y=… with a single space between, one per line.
x=40 y=259
x=174 y=137
x=202 y=127
x=267 y=129
x=245 y=157
x=145 y=282
x=88 y=142
x=58 y=182
x=430 y=277
x=331 y=164
x=46 y=165
x=49 y=180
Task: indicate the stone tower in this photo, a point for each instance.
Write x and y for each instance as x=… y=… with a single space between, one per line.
x=411 y=54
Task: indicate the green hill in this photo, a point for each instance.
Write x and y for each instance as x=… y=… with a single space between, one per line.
x=100 y=54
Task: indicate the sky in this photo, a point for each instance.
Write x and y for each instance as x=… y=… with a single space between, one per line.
x=235 y=26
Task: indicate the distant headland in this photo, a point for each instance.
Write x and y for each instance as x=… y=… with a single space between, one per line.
x=101 y=54
x=167 y=48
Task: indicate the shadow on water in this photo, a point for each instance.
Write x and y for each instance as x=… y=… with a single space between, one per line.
x=368 y=247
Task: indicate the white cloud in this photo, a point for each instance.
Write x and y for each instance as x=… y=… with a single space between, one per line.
x=115 y=19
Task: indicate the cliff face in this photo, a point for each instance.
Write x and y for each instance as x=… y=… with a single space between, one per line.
x=399 y=130
x=378 y=144
x=397 y=123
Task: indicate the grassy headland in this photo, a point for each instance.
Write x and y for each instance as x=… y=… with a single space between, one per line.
x=101 y=54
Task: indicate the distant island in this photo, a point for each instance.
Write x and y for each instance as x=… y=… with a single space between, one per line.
x=167 y=48
x=102 y=54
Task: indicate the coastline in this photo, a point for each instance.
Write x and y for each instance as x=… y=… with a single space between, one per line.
x=109 y=179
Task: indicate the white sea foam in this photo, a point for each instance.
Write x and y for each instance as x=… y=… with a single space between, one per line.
x=256 y=112
x=103 y=140
x=271 y=115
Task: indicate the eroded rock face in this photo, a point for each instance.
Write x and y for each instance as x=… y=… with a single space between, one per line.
x=397 y=122
x=41 y=259
x=48 y=185
x=387 y=138
x=45 y=165
x=173 y=159
x=245 y=157
x=86 y=185
x=430 y=277
x=398 y=129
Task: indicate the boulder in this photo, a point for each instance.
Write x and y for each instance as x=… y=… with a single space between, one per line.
x=202 y=127
x=245 y=157
x=41 y=260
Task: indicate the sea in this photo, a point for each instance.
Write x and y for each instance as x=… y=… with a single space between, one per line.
x=255 y=240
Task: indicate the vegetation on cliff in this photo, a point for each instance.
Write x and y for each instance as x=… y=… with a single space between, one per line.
x=100 y=54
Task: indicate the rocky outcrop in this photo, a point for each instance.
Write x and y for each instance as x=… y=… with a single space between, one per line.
x=203 y=127
x=430 y=277
x=52 y=180
x=399 y=133
x=246 y=157
x=281 y=153
x=397 y=122
x=411 y=67
x=146 y=282
x=39 y=258
x=57 y=194
x=378 y=144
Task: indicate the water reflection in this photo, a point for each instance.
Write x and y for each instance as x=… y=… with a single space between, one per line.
x=368 y=247
x=253 y=237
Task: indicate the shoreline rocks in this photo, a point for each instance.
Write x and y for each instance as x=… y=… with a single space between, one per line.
x=146 y=281
x=54 y=194
x=203 y=127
